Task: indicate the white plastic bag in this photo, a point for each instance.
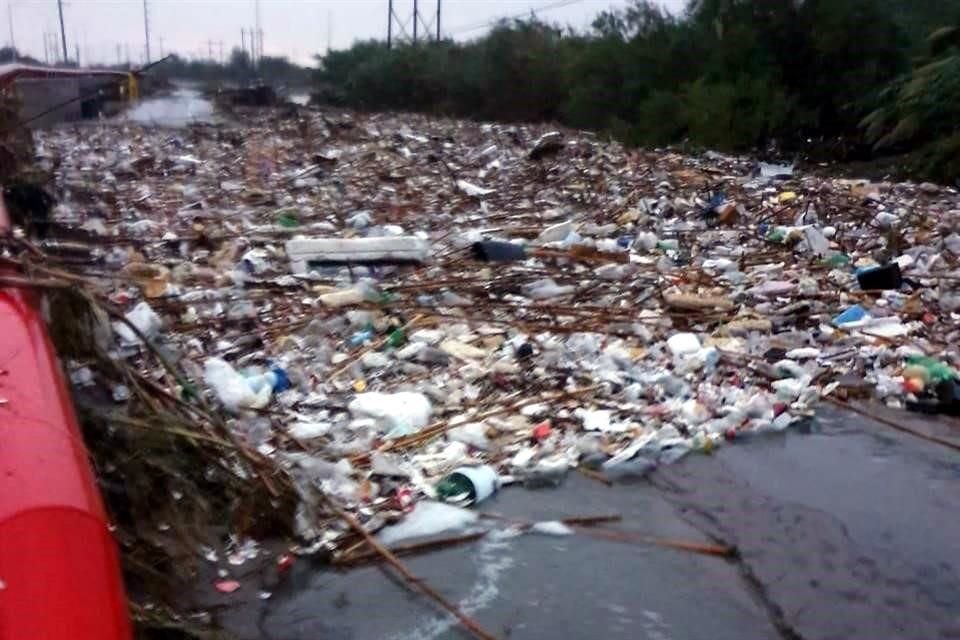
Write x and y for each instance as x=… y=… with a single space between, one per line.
x=396 y=414
x=144 y=318
x=232 y=389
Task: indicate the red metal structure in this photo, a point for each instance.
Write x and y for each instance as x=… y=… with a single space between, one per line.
x=59 y=571
x=11 y=72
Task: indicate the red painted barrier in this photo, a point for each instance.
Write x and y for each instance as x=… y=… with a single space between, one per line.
x=59 y=572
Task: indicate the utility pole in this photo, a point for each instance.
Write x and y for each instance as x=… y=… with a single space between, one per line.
x=63 y=33
x=243 y=39
x=210 y=50
x=119 y=55
x=221 y=52
x=416 y=21
x=146 y=28
x=160 y=40
x=438 y=19
x=46 y=48
x=390 y=24
x=13 y=43
x=258 y=33
x=329 y=30
x=402 y=35
x=76 y=49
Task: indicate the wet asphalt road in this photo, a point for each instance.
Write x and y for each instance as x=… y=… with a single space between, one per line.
x=847 y=533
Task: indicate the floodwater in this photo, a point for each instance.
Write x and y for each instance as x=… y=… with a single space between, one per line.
x=177 y=109
x=846 y=532
x=302 y=99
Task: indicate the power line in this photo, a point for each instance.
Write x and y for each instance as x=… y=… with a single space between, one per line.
x=491 y=23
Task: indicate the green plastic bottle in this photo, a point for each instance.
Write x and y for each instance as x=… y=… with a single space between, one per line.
x=837 y=260
x=396 y=338
x=288 y=220
x=777 y=235
x=456 y=488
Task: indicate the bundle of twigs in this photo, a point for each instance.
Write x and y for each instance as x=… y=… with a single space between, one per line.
x=174 y=477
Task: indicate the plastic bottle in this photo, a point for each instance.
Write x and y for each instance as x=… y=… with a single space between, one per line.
x=855 y=313
x=396 y=339
x=361 y=337
x=288 y=220
x=544 y=478
x=936 y=371
x=635 y=468
x=646 y=241
x=468 y=485
x=837 y=260
x=545 y=289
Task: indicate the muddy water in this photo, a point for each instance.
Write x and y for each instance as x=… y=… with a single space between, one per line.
x=177 y=109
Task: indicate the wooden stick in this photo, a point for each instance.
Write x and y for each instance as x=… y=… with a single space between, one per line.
x=372 y=347
x=593 y=475
x=438 y=428
x=893 y=425
x=413 y=580
x=407 y=549
x=583 y=521
x=702 y=548
x=582 y=525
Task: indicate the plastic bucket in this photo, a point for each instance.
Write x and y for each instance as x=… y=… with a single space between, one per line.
x=484 y=480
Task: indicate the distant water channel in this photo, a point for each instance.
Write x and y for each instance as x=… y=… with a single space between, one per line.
x=177 y=109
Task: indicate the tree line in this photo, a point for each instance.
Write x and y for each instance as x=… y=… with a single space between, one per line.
x=238 y=69
x=842 y=76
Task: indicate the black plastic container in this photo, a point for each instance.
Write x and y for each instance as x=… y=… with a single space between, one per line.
x=886 y=277
x=498 y=251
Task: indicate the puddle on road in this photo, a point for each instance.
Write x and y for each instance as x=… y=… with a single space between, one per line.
x=178 y=109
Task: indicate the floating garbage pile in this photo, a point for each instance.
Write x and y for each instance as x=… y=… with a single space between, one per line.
x=393 y=309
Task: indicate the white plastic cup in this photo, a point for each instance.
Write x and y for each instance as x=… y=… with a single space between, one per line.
x=484 y=480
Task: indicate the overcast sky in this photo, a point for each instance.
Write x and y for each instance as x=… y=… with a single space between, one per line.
x=293 y=28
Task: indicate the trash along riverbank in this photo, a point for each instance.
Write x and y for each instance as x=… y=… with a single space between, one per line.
x=318 y=326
